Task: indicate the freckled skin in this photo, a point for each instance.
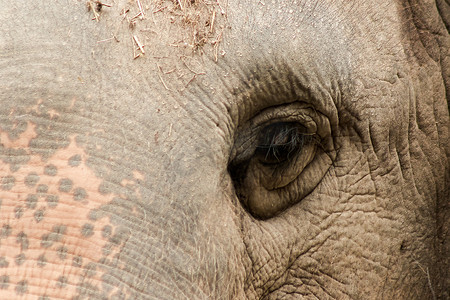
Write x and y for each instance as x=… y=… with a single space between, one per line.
x=79 y=194
x=52 y=200
x=3 y=262
x=31 y=201
x=51 y=244
x=4 y=282
x=75 y=160
x=65 y=185
x=31 y=179
x=41 y=260
x=20 y=259
x=119 y=128
x=42 y=188
x=50 y=170
x=39 y=215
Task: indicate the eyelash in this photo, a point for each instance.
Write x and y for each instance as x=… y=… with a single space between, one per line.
x=278 y=141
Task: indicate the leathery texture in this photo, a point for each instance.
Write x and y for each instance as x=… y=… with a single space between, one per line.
x=118 y=140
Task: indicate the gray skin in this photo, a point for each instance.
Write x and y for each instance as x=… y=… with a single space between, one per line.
x=160 y=178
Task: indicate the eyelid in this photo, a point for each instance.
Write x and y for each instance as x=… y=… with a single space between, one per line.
x=247 y=136
x=298 y=112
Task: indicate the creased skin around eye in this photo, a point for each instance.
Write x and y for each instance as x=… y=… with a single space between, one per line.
x=266 y=203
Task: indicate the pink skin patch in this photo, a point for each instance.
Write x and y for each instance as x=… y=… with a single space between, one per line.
x=46 y=237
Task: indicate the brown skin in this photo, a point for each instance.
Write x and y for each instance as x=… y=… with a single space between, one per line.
x=139 y=179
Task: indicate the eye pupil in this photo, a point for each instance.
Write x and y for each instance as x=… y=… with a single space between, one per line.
x=279 y=142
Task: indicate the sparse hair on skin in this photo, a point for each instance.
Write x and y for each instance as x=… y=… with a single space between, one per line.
x=279 y=141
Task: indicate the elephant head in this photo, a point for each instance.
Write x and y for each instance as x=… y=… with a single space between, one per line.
x=224 y=149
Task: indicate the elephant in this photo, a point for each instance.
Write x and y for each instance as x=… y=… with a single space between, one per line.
x=174 y=149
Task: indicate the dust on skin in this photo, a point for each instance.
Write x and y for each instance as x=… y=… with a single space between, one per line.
x=200 y=22
x=46 y=233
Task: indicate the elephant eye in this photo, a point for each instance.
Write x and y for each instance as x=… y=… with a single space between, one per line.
x=280 y=142
x=279 y=156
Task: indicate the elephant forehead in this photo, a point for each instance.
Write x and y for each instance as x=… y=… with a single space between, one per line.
x=314 y=42
x=318 y=30
x=324 y=47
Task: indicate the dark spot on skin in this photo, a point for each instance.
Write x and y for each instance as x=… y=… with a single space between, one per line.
x=4 y=282
x=104 y=261
x=115 y=239
x=62 y=282
x=31 y=201
x=41 y=261
x=18 y=212
x=20 y=259
x=22 y=287
x=46 y=240
x=60 y=230
x=50 y=170
x=62 y=252
x=31 y=179
x=87 y=230
x=22 y=239
x=75 y=160
x=120 y=235
x=15 y=158
x=57 y=232
x=39 y=215
x=106 y=231
x=7 y=183
x=3 y=262
x=65 y=185
x=79 y=194
x=43 y=298
x=104 y=188
x=93 y=215
x=77 y=261
x=52 y=200
x=42 y=188
x=5 y=231
x=106 y=250
x=90 y=270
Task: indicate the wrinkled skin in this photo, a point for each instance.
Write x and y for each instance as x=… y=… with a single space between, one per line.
x=132 y=178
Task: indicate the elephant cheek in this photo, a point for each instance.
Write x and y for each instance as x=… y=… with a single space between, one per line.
x=49 y=240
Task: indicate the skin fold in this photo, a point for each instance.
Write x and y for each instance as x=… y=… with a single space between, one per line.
x=133 y=161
